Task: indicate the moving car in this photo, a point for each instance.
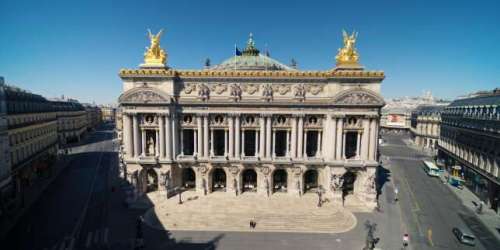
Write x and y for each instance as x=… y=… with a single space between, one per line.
x=464 y=236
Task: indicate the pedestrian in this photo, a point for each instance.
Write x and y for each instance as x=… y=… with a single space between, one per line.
x=396 y=194
x=406 y=239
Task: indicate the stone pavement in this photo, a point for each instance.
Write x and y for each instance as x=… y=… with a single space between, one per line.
x=488 y=216
x=223 y=212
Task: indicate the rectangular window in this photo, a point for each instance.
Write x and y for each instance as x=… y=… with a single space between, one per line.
x=187 y=141
x=219 y=142
x=280 y=143
x=250 y=147
x=312 y=143
x=351 y=144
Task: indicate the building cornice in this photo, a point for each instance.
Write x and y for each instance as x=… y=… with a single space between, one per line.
x=343 y=74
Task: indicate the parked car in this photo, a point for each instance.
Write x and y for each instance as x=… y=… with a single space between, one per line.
x=464 y=236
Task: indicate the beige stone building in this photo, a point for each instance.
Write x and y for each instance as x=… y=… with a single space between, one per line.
x=72 y=120
x=108 y=113
x=425 y=126
x=252 y=124
x=94 y=116
x=31 y=133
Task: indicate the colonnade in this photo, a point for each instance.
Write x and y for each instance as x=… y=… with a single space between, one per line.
x=331 y=137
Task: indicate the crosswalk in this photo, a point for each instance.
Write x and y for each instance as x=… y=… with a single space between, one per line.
x=93 y=240
x=67 y=244
x=99 y=237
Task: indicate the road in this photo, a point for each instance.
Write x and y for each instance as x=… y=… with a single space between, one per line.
x=428 y=206
x=75 y=204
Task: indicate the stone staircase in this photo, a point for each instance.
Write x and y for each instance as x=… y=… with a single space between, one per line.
x=222 y=212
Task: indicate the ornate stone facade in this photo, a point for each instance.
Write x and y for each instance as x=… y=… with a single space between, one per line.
x=425 y=126
x=236 y=129
x=470 y=144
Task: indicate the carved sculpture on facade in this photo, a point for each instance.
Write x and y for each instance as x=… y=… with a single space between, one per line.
x=203 y=169
x=151 y=146
x=203 y=92
x=314 y=88
x=234 y=170
x=370 y=184
x=154 y=55
x=218 y=88
x=357 y=98
x=299 y=92
x=282 y=89
x=265 y=170
x=235 y=92
x=189 y=87
x=250 y=88
x=143 y=96
x=336 y=182
x=267 y=92
x=347 y=55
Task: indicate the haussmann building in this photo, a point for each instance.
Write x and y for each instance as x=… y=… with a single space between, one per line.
x=252 y=124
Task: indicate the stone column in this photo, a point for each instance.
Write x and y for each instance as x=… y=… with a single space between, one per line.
x=366 y=138
x=256 y=144
x=200 y=145
x=372 y=152
x=293 y=152
x=175 y=136
x=237 y=136
x=300 y=136
x=225 y=142
x=157 y=143
x=206 y=154
x=143 y=142
x=358 y=145
x=195 y=142
x=288 y=143
x=243 y=145
x=212 y=142
x=137 y=136
x=304 y=148
x=333 y=138
x=161 y=140
x=273 y=143
x=320 y=146
x=168 y=137
x=128 y=135
x=262 y=137
x=231 y=136
x=268 y=136
x=340 y=136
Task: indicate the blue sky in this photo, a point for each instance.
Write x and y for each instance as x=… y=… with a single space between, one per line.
x=76 y=48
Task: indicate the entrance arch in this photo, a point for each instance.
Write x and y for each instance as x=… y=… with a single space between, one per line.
x=279 y=180
x=188 y=178
x=249 y=177
x=218 y=180
x=310 y=180
x=348 y=185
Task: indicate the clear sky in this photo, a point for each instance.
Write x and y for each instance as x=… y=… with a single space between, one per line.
x=76 y=48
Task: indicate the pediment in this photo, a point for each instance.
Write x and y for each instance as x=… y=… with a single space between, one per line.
x=144 y=95
x=360 y=96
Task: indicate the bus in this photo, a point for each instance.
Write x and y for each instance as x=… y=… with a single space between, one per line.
x=431 y=169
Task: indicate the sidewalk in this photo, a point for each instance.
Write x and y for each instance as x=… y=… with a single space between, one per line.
x=488 y=216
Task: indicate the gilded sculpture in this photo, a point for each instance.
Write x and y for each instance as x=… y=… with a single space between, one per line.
x=348 y=56
x=154 y=56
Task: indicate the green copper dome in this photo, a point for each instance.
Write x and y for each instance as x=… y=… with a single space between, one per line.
x=251 y=59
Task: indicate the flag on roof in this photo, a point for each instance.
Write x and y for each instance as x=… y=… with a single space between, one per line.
x=237 y=52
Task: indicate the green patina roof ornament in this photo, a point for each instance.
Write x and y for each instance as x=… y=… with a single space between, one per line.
x=251 y=50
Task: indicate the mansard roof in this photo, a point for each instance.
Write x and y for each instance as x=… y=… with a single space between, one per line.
x=252 y=62
x=492 y=98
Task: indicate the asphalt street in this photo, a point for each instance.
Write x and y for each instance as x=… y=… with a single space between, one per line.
x=74 y=204
x=428 y=206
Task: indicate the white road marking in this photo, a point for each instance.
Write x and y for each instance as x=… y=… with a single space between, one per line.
x=89 y=240
x=106 y=232
x=96 y=236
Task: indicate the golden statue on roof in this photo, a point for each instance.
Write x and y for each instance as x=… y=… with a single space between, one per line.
x=347 y=55
x=154 y=56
